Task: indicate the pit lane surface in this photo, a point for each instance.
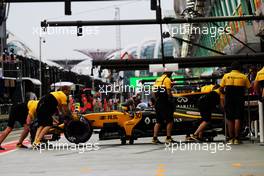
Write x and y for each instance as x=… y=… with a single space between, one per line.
x=140 y=159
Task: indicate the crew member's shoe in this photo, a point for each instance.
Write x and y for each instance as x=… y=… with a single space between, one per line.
x=1 y=148
x=236 y=141
x=230 y=141
x=19 y=145
x=194 y=138
x=187 y=137
x=156 y=141
x=36 y=145
x=170 y=140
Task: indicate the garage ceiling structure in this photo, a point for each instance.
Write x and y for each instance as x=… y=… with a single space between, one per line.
x=187 y=62
x=143 y=64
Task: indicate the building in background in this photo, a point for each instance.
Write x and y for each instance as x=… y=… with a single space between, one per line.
x=212 y=35
x=247 y=32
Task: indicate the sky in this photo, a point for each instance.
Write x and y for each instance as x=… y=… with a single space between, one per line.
x=24 y=22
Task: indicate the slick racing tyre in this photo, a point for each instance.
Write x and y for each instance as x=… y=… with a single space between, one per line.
x=78 y=131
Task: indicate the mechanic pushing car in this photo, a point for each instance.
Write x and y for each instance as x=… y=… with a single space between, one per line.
x=206 y=104
x=233 y=85
x=164 y=106
x=24 y=113
x=47 y=107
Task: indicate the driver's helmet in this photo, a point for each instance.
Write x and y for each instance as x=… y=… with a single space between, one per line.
x=142 y=106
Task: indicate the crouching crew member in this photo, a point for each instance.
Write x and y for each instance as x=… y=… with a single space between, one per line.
x=234 y=85
x=47 y=107
x=163 y=106
x=24 y=113
x=206 y=104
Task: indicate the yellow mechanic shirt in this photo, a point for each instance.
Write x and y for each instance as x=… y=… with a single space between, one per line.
x=163 y=81
x=32 y=107
x=60 y=97
x=260 y=75
x=235 y=78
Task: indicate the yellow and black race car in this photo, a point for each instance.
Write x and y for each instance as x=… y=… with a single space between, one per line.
x=130 y=126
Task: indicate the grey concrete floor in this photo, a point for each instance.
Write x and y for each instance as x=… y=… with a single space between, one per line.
x=109 y=158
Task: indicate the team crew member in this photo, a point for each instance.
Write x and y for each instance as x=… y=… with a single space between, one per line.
x=234 y=85
x=47 y=107
x=259 y=83
x=206 y=104
x=24 y=113
x=131 y=104
x=163 y=106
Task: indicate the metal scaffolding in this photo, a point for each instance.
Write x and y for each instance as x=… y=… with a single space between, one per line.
x=150 y=21
x=31 y=1
x=187 y=62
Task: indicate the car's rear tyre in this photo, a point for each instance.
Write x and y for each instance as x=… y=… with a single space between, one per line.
x=78 y=131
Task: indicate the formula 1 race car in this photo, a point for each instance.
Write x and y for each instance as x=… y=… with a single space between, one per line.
x=130 y=126
x=133 y=125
